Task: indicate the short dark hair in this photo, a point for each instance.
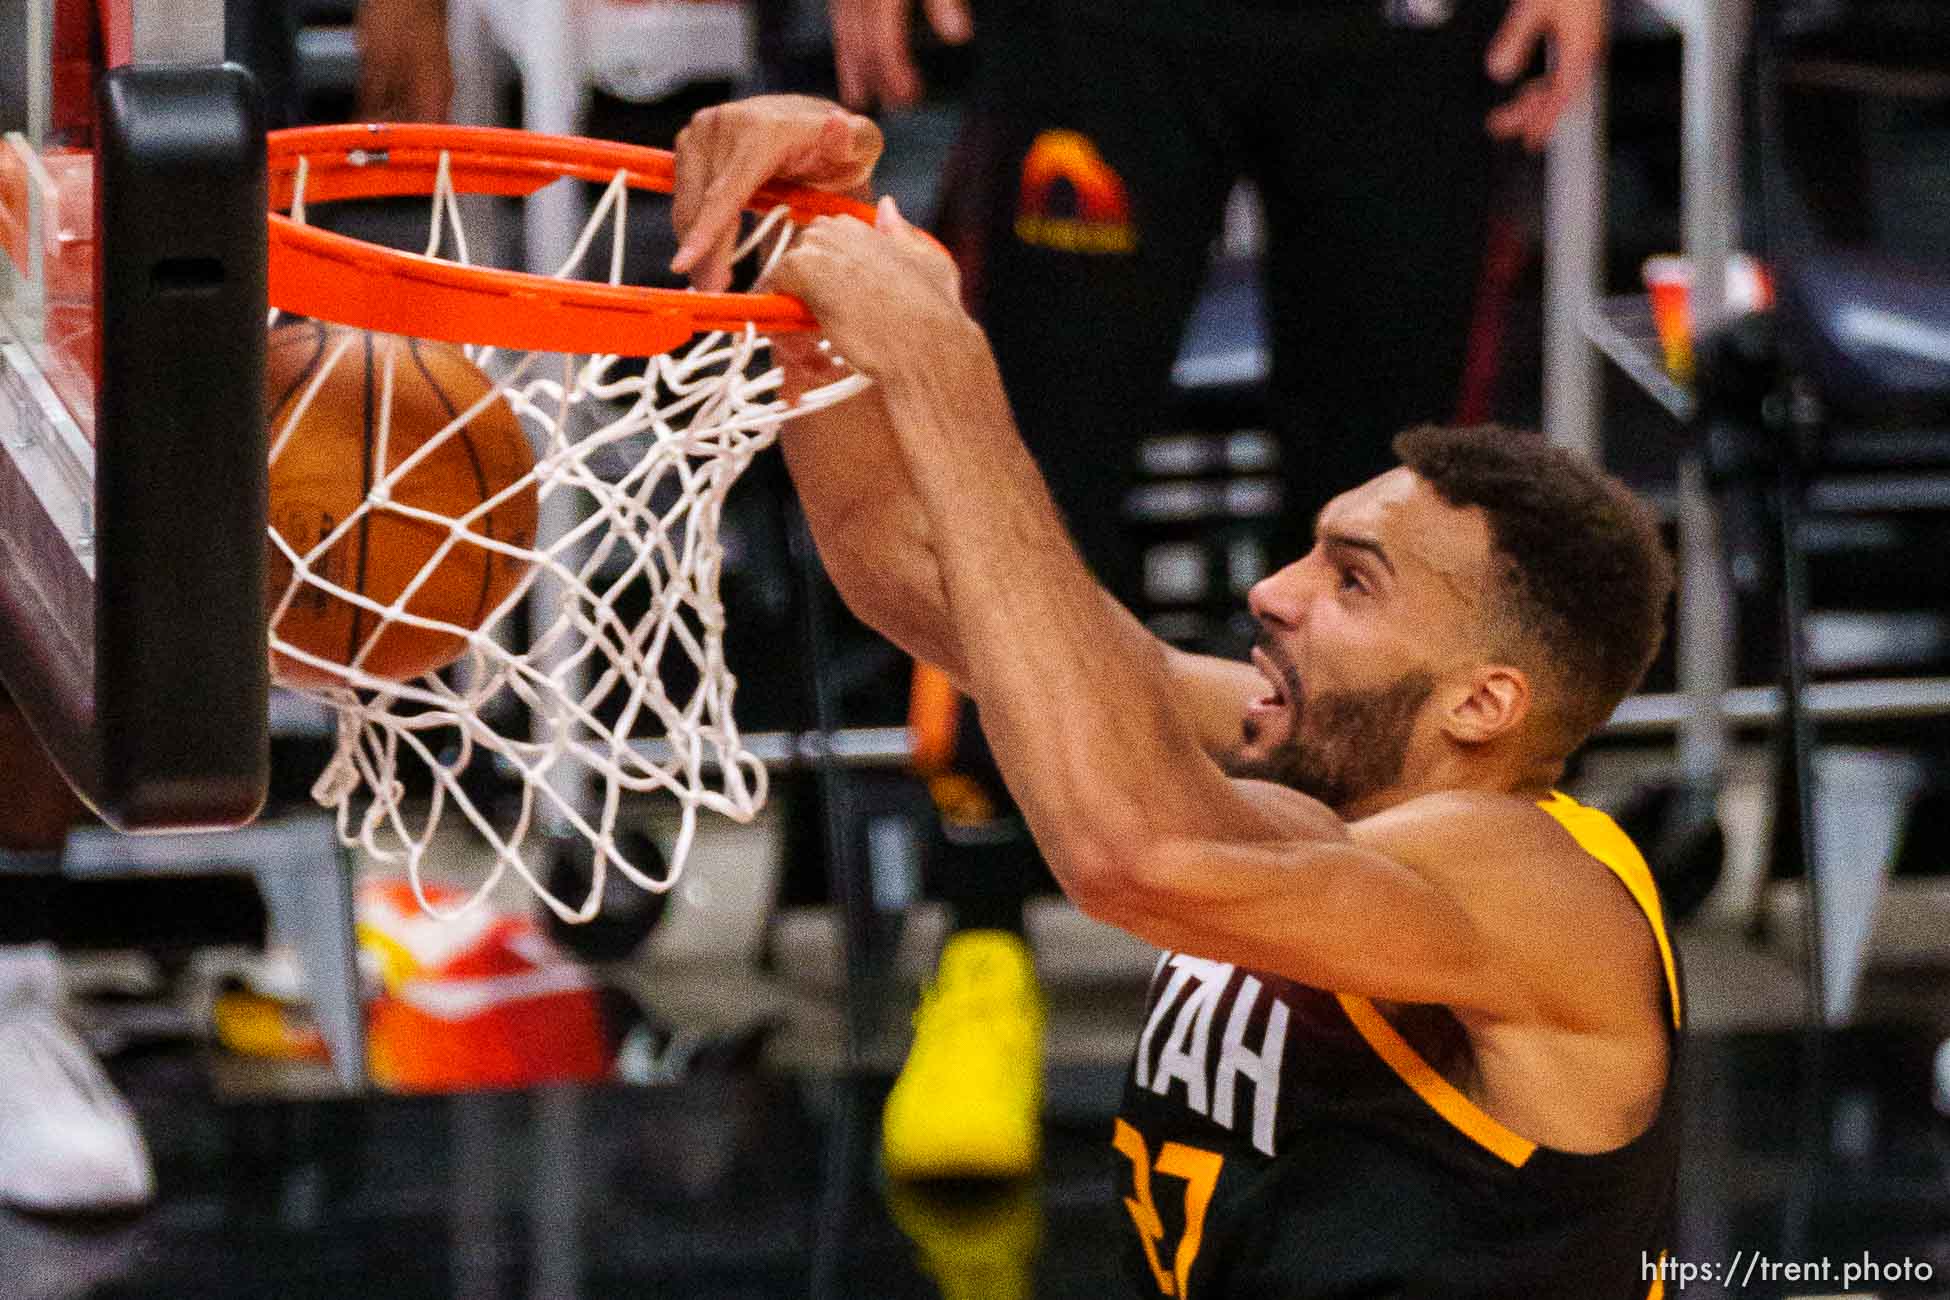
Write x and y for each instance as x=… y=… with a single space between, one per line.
x=1582 y=566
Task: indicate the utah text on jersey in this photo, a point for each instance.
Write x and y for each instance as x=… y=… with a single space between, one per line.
x=1281 y=1140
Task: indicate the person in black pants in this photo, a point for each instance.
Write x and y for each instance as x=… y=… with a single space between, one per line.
x=1082 y=200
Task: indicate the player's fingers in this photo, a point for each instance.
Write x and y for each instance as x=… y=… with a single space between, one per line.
x=850 y=54
x=932 y=263
x=913 y=242
x=691 y=163
x=707 y=231
x=795 y=273
x=890 y=220
x=691 y=174
x=1506 y=121
x=798 y=355
x=432 y=95
x=704 y=252
x=859 y=149
x=796 y=349
x=1510 y=48
x=898 y=84
x=950 y=20
x=712 y=274
x=840 y=157
x=727 y=153
x=1520 y=117
x=806 y=364
x=828 y=235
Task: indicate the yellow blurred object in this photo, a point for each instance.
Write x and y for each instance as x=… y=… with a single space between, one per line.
x=969 y=1101
x=251 y=1024
x=961 y=800
x=978 y=1242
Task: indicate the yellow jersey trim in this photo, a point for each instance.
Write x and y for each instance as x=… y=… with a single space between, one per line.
x=1600 y=836
x=1441 y=1095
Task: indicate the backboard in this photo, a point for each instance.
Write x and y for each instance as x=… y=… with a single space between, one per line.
x=132 y=451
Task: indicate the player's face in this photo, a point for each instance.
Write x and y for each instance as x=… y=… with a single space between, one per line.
x=1356 y=637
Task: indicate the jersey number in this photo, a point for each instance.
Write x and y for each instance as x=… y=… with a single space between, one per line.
x=1200 y=1171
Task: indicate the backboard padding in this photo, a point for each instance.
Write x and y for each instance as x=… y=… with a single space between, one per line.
x=132 y=450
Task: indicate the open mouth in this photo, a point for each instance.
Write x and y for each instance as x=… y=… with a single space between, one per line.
x=1275 y=678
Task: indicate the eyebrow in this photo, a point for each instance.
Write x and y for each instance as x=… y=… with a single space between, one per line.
x=1357 y=543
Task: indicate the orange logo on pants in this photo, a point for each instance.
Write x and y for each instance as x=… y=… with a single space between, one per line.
x=1098 y=215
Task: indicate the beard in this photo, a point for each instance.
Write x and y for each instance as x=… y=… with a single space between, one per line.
x=1344 y=746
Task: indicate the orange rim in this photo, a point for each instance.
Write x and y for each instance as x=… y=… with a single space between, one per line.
x=333 y=277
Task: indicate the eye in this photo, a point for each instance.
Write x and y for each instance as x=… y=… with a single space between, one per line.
x=1351 y=580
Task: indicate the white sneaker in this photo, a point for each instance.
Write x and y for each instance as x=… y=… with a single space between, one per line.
x=68 y=1141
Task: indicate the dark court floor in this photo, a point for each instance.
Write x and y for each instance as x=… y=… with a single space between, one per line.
x=762 y=1184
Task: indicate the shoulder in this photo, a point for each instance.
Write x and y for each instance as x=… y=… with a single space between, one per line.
x=1542 y=898
x=1481 y=834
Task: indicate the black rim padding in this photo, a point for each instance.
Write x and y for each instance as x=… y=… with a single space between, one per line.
x=181 y=668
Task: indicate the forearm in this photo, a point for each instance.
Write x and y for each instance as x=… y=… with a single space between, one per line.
x=867 y=522
x=877 y=545
x=875 y=539
x=1074 y=693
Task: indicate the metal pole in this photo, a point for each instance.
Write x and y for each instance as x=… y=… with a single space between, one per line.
x=1574 y=222
x=1703 y=632
x=846 y=870
x=1710 y=117
x=552 y=98
x=1709 y=218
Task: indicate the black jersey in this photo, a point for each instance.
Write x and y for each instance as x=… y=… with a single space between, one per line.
x=1278 y=1140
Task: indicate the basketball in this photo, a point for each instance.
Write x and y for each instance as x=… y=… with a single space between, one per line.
x=324 y=467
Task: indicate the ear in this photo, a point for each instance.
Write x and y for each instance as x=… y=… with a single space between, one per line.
x=1494 y=701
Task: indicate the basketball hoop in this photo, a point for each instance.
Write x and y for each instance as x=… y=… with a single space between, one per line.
x=580 y=709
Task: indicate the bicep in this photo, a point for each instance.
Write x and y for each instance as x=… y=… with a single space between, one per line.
x=1212 y=695
x=1333 y=915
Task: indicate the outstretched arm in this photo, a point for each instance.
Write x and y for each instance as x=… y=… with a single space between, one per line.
x=853 y=482
x=865 y=518
x=852 y=485
x=1074 y=694
x=935 y=519
x=1135 y=817
x=877 y=543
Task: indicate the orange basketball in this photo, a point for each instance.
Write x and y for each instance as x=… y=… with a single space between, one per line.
x=327 y=465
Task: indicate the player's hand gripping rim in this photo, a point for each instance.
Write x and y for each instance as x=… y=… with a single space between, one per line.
x=729 y=151
x=887 y=296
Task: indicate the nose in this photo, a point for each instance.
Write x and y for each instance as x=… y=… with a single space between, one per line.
x=1277 y=598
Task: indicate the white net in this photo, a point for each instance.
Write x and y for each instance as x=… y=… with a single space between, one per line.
x=599 y=673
